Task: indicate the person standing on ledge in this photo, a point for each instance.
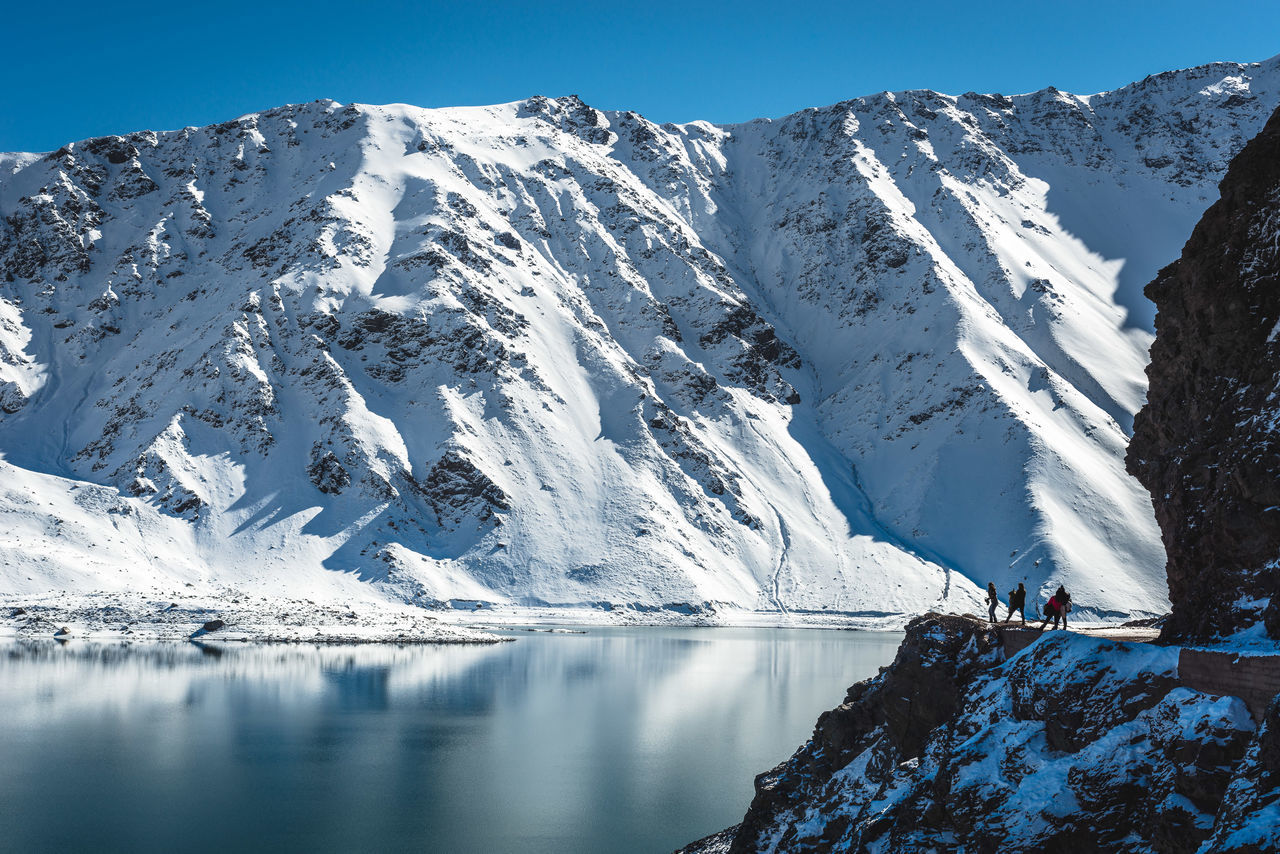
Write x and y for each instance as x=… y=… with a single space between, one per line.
x=1018 y=602
x=1057 y=607
x=993 y=600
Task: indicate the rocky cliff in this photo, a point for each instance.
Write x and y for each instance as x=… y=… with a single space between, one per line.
x=1207 y=443
x=1074 y=745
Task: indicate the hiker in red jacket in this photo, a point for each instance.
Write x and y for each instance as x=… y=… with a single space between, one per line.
x=1056 y=608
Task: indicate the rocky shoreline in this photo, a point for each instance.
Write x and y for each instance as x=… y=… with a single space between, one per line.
x=224 y=616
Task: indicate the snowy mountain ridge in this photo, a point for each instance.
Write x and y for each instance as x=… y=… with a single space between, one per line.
x=858 y=360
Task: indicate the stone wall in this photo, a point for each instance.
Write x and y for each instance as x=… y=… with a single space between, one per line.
x=1253 y=678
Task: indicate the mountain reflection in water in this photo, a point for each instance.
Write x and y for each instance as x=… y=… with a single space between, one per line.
x=617 y=740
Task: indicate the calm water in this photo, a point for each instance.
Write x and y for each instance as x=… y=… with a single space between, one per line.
x=619 y=740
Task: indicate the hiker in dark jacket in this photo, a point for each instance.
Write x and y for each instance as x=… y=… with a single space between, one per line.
x=993 y=600
x=1018 y=602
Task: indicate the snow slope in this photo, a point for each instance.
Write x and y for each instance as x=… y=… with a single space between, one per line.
x=858 y=360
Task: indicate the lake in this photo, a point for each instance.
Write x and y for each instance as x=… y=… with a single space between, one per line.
x=617 y=740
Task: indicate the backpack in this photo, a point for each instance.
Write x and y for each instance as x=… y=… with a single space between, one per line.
x=1048 y=608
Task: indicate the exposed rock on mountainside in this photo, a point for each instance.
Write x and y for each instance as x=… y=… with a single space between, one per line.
x=846 y=362
x=1207 y=444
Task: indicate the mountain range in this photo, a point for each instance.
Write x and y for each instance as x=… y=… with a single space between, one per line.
x=854 y=362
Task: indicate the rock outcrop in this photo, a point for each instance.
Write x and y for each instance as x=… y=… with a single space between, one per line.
x=1077 y=744
x=888 y=717
x=1249 y=819
x=1207 y=444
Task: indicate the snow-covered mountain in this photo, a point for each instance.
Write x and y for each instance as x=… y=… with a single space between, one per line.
x=860 y=359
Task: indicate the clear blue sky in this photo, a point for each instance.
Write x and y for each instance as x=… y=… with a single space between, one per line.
x=77 y=69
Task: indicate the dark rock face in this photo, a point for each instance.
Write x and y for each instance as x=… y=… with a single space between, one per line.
x=716 y=843
x=326 y=472
x=1249 y=820
x=934 y=665
x=455 y=488
x=1207 y=444
x=890 y=715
